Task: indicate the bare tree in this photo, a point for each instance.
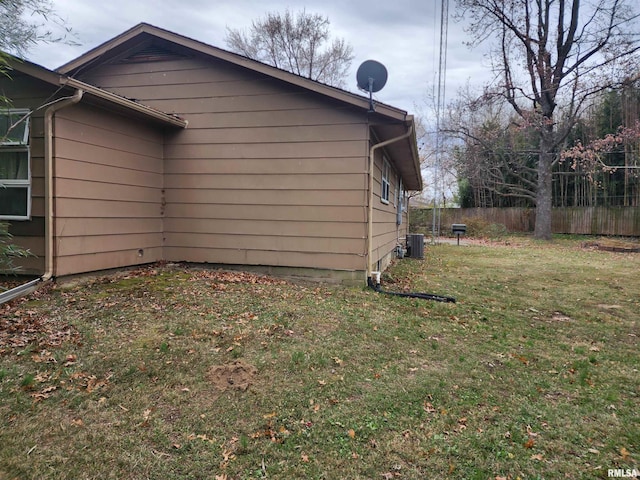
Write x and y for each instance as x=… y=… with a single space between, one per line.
x=496 y=157
x=547 y=53
x=296 y=43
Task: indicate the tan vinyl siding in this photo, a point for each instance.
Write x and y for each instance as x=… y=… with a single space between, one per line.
x=108 y=184
x=26 y=92
x=319 y=150
x=224 y=196
x=386 y=232
x=333 y=215
x=316 y=260
x=290 y=134
x=301 y=117
x=265 y=173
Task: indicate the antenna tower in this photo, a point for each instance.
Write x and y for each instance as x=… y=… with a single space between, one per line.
x=440 y=101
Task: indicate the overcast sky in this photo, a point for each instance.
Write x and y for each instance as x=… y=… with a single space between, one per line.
x=402 y=34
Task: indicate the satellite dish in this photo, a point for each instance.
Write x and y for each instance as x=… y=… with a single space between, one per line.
x=371 y=77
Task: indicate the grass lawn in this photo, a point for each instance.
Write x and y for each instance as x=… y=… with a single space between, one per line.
x=169 y=372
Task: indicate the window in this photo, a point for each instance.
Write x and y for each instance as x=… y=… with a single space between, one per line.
x=401 y=203
x=384 y=194
x=15 y=174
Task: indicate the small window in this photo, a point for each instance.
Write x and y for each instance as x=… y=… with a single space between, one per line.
x=14 y=127
x=400 y=202
x=384 y=194
x=15 y=173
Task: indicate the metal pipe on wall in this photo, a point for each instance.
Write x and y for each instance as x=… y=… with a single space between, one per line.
x=372 y=152
x=33 y=285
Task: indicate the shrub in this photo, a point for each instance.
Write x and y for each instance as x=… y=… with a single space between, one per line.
x=9 y=252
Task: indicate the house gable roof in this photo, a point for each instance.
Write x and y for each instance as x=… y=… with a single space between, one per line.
x=117 y=48
x=147 y=42
x=97 y=95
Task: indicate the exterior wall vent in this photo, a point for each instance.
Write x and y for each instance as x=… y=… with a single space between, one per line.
x=152 y=53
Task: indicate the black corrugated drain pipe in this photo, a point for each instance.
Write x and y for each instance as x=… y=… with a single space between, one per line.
x=425 y=296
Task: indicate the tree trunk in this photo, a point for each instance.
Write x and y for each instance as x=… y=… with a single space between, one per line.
x=542 y=229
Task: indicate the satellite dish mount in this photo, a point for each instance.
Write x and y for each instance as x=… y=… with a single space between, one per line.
x=371 y=77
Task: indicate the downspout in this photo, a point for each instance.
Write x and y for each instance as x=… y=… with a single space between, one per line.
x=48 y=178
x=370 y=212
x=33 y=285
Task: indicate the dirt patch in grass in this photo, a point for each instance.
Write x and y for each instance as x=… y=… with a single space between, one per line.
x=613 y=245
x=237 y=375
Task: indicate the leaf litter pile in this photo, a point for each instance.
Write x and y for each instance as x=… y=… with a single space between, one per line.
x=170 y=371
x=21 y=326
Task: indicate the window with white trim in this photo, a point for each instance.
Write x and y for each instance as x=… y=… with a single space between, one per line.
x=401 y=204
x=384 y=194
x=15 y=170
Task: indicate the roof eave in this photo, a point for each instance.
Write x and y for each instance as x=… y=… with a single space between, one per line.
x=58 y=79
x=239 y=60
x=404 y=153
x=33 y=70
x=124 y=102
x=415 y=154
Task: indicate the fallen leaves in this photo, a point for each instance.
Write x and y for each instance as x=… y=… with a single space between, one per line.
x=146 y=416
x=428 y=407
x=89 y=383
x=273 y=431
x=19 y=328
x=390 y=475
x=70 y=360
x=44 y=356
x=462 y=424
x=202 y=437
x=520 y=358
x=43 y=394
x=77 y=422
x=227 y=456
x=624 y=453
x=226 y=276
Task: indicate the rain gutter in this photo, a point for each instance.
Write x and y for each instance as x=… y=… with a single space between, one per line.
x=33 y=285
x=375 y=147
x=124 y=102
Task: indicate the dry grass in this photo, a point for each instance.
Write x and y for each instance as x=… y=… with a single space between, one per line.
x=173 y=372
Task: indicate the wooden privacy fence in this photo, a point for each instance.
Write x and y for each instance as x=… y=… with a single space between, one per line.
x=621 y=221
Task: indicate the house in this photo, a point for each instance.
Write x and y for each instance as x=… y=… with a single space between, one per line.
x=154 y=146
